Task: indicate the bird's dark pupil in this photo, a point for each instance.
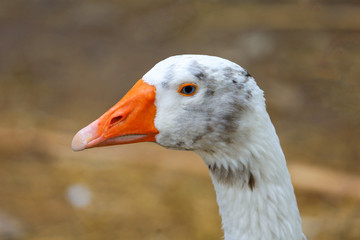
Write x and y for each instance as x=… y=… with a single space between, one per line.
x=188 y=89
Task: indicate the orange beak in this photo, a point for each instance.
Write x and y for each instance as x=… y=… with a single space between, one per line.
x=131 y=120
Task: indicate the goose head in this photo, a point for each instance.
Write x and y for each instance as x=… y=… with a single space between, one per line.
x=185 y=102
x=211 y=106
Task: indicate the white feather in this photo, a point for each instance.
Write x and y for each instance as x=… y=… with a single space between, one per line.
x=226 y=123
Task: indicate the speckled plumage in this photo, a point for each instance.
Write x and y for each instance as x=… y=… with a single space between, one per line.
x=226 y=123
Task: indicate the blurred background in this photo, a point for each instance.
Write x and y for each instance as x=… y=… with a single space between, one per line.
x=64 y=62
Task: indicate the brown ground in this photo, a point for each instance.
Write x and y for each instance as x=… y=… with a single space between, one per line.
x=63 y=63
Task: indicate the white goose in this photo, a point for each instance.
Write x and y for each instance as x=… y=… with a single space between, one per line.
x=213 y=107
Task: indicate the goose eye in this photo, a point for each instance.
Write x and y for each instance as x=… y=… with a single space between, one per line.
x=187 y=89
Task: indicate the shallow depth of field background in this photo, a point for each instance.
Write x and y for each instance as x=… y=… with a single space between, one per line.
x=63 y=63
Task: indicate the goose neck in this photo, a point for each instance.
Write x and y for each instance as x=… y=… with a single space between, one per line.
x=254 y=192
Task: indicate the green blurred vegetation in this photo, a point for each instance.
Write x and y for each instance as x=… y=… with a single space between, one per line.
x=63 y=63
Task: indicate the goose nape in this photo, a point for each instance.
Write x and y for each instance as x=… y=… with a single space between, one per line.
x=213 y=107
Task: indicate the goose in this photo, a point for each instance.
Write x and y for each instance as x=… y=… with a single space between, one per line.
x=213 y=107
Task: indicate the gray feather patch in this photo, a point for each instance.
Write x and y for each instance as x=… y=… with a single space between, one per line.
x=233 y=176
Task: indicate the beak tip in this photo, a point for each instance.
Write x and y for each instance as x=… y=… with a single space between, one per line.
x=84 y=136
x=79 y=142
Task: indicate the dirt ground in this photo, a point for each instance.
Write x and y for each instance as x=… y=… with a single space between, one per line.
x=64 y=63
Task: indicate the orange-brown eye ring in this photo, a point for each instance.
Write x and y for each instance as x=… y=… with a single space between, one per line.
x=187 y=89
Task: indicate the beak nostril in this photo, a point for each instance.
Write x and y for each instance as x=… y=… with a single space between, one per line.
x=115 y=120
